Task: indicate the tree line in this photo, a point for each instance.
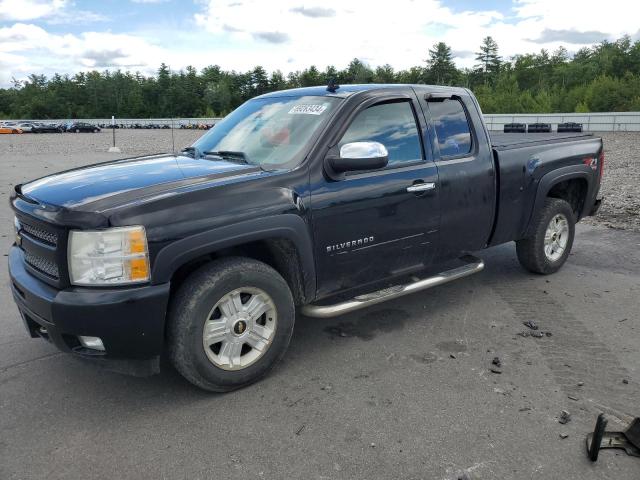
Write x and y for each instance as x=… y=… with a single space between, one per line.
x=605 y=77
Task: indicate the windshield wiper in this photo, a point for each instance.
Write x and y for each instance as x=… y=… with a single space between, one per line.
x=193 y=151
x=229 y=155
x=232 y=156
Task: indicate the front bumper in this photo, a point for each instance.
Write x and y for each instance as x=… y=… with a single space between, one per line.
x=129 y=320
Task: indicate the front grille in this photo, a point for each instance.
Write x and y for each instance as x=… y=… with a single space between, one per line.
x=45 y=249
x=49 y=238
x=42 y=265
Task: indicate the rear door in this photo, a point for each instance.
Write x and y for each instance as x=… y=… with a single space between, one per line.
x=465 y=169
x=376 y=224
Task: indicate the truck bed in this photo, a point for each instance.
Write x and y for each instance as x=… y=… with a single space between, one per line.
x=523 y=159
x=508 y=141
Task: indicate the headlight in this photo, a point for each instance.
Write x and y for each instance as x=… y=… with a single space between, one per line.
x=114 y=256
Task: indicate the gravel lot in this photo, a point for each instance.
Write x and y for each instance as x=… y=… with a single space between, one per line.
x=401 y=390
x=132 y=142
x=621 y=184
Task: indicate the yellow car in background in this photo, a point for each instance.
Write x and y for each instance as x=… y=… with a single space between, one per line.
x=9 y=130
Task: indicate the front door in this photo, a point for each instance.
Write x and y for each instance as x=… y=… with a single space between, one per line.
x=376 y=224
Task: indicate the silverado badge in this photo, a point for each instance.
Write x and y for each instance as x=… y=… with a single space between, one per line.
x=358 y=242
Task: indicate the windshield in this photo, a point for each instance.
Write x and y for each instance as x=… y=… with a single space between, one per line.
x=270 y=132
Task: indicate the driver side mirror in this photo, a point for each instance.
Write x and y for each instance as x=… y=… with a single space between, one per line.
x=356 y=156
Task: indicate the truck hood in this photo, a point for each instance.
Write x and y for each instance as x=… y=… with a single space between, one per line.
x=105 y=185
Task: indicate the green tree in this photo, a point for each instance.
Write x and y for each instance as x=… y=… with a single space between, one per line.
x=218 y=97
x=489 y=61
x=441 y=68
x=384 y=74
x=358 y=72
x=413 y=75
x=259 y=81
x=277 y=81
x=604 y=77
x=310 y=77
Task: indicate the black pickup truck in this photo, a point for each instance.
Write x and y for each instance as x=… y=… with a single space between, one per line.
x=323 y=199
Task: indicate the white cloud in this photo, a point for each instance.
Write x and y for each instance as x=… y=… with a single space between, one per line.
x=294 y=34
x=27 y=48
x=21 y=10
x=54 y=12
x=616 y=17
x=333 y=32
x=75 y=17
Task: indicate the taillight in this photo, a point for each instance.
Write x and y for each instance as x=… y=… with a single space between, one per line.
x=601 y=163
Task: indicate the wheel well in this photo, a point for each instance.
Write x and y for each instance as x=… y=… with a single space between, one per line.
x=279 y=253
x=573 y=191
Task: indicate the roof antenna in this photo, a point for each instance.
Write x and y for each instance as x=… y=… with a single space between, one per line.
x=332 y=86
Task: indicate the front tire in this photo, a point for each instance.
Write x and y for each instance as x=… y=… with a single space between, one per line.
x=229 y=323
x=547 y=250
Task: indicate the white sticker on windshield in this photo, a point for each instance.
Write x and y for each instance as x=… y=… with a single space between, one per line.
x=307 y=109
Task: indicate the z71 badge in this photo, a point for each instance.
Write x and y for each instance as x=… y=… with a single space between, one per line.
x=359 y=242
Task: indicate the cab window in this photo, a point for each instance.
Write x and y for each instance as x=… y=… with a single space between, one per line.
x=452 y=127
x=391 y=124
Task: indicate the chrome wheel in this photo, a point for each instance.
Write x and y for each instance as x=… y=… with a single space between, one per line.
x=240 y=328
x=556 y=237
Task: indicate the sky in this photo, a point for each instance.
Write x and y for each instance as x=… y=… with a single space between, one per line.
x=68 y=36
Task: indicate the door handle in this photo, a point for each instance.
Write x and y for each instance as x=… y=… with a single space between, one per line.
x=421 y=187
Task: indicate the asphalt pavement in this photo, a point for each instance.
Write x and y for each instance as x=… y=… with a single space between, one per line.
x=401 y=390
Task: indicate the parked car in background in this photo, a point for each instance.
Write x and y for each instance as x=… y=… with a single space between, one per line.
x=9 y=129
x=46 y=128
x=26 y=127
x=196 y=126
x=78 y=127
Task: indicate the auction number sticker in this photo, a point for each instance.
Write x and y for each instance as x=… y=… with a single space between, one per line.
x=307 y=109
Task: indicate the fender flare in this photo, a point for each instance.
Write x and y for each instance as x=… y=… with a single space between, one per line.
x=548 y=181
x=289 y=226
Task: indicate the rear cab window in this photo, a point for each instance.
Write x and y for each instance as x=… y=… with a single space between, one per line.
x=452 y=129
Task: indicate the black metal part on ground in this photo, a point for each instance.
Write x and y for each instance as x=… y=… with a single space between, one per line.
x=629 y=440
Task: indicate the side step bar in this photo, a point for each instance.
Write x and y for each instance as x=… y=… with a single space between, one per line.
x=473 y=265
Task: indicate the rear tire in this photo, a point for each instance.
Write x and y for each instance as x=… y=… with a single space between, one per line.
x=548 y=248
x=219 y=299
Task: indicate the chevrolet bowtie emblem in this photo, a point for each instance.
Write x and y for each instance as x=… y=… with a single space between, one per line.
x=240 y=327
